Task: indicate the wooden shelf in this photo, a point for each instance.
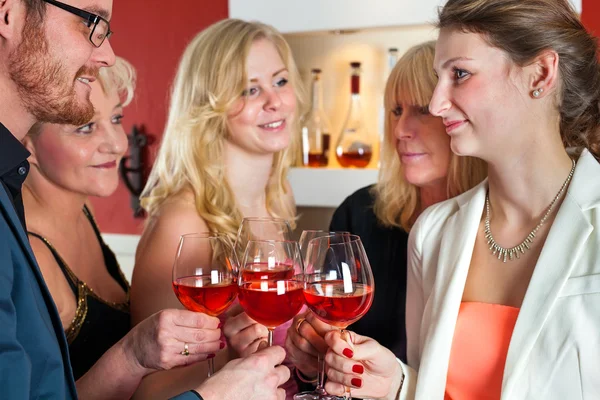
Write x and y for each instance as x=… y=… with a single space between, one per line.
x=328 y=187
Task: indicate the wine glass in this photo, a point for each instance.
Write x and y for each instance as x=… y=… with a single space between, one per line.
x=261 y=228
x=271 y=283
x=308 y=235
x=319 y=392
x=204 y=275
x=339 y=283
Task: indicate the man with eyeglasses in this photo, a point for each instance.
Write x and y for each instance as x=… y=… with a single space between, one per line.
x=50 y=51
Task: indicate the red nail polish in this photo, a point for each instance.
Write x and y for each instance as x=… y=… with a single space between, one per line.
x=356 y=382
x=357 y=368
x=348 y=353
x=220 y=325
x=210 y=356
x=222 y=345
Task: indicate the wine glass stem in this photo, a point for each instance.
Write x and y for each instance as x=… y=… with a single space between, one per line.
x=320 y=389
x=211 y=367
x=348 y=338
x=270 y=338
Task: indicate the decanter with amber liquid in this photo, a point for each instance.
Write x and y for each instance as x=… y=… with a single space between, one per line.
x=354 y=147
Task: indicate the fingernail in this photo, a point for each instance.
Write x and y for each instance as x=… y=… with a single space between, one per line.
x=358 y=369
x=356 y=382
x=222 y=345
x=348 y=353
x=210 y=356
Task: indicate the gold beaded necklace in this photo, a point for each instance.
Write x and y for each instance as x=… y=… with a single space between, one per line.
x=519 y=249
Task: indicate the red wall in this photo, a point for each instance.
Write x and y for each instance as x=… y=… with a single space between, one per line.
x=591 y=16
x=151 y=34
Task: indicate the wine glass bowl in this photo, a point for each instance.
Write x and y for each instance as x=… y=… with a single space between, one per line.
x=261 y=228
x=339 y=282
x=204 y=278
x=339 y=288
x=270 y=282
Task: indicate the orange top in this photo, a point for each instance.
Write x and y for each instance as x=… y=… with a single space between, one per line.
x=479 y=350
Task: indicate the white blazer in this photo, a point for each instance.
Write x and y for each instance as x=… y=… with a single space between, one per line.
x=554 y=352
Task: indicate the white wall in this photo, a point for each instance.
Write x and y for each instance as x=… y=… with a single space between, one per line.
x=290 y=16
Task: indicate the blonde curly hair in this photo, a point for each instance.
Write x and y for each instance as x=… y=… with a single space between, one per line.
x=210 y=79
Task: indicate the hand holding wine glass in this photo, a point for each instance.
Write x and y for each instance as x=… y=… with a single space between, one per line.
x=308 y=342
x=203 y=276
x=243 y=334
x=339 y=284
x=370 y=369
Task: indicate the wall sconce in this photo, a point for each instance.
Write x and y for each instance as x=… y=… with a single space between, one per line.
x=131 y=168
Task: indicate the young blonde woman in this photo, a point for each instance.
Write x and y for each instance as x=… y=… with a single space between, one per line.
x=503 y=281
x=69 y=164
x=418 y=169
x=230 y=137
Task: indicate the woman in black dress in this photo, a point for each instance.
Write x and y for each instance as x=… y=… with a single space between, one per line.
x=418 y=169
x=68 y=165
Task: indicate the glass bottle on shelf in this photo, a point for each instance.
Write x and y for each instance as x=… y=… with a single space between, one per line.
x=316 y=131
x=354 y=147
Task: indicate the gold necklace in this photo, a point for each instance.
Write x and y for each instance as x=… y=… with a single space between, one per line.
x=524 y=245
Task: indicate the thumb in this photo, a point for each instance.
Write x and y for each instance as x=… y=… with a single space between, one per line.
x=262 y=345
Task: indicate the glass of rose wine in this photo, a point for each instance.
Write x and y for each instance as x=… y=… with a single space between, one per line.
x=261 y=228
x=319 y=392
x=339 y=283
x=204 y=277
x=271 y=283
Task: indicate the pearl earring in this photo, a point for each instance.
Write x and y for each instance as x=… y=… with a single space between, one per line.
x=537 y=92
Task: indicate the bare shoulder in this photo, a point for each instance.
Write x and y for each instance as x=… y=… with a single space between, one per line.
x=175 y=217
x=155 y=255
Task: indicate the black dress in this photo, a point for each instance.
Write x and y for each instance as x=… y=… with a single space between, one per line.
x=98 y=324
x=386 y=250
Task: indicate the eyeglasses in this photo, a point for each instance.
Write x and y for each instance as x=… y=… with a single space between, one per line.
x=100 y=27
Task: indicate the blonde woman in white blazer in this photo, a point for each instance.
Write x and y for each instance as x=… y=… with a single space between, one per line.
x=519 y=82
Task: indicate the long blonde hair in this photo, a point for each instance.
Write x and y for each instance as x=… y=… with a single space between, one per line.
x=210 y=78
x=397 y=202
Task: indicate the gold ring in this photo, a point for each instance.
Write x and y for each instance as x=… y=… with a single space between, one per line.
x=186 y=350
x=299 y=323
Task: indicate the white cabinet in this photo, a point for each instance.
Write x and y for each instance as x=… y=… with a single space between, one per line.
x=290 y=16
x=323 y=15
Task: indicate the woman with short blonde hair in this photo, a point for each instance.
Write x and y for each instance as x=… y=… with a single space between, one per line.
x=397 y=201
x=68 y=165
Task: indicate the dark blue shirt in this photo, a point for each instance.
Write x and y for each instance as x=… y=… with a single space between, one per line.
x=14 y=168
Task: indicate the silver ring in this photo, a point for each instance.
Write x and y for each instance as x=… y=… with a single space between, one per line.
x=186 y=350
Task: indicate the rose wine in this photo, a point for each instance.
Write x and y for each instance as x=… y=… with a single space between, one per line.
x=196 y=293
x=263 y=271
x=335 y=306
x=355 y=159
x=271 y=303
